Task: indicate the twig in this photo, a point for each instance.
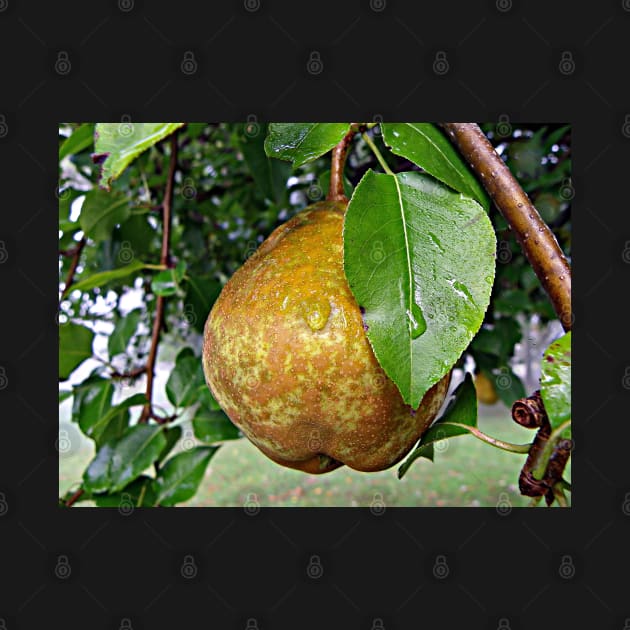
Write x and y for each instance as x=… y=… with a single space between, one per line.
x=75 y=497
x=339 y=153
x=533 y=234
x=164 y=260
x=76 y=255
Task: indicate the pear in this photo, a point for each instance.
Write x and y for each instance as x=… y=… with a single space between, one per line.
x=286 y=355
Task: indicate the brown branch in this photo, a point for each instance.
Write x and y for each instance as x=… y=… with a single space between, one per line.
x=339 y=153
x=75 y=497
x=131 y=374
x=165 y=259
x=536 y=239
x=530 y=413
x=76 y=255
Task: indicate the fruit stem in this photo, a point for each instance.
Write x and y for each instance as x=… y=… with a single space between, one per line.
x=504 y=446
x=377 y=153
x=339 y=154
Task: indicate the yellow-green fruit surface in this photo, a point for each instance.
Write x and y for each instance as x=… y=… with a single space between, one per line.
x=286 y=356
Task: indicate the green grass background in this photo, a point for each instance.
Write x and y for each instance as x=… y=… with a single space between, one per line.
x=466 y=472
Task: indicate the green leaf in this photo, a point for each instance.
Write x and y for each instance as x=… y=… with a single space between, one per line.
x=508 y=385
x=136 y=237
x=179 y=480
x=512 y=302
x=185 y=379
x=426 y=146
x=212 y=426
x=80 y=139
x=101 y=212
x=171 y=435
x=112 y=422
x=168 y=282
x=420 y=260
x=121 y=143
x=498 y=338
x=96 y=476
x=103 y=277
x=120 y=461
x=555 y=380
x=123 y=332
x=201 y=294
x=64 y=394
x=139 y=493
x=75 y=346
x=303 y=142
x=555 y=136
x=91 y=400
x=270 y=175
x=462 y=409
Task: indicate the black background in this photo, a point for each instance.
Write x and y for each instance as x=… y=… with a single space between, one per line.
x=376 y=571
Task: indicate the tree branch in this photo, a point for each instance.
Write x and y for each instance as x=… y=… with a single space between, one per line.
x=165 y=259
x=339 y=153
x=75 y=497
x=536 y=239
x=76 y=255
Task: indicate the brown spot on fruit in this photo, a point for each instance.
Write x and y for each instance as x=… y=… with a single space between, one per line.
x=286 y=356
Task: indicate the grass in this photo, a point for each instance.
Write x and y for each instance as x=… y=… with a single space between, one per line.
x=466 y=472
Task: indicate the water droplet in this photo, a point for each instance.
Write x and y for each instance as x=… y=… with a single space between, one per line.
x=417 y=323
x=316 y=313
x=493 y=174
x=519 y=205
x=436 y=241
x=462 y=290
x=283 y=306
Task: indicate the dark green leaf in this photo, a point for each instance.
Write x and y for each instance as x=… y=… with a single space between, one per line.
x=92 y=399
x=121 y=143
x=64 y=394
x=185 y=379
x=179 y=480
x=512 y=301
x=112 y=421
x=498 y=338
x=139 y=493
x=555 y=380
x=171 y=435
x=425 y=145
x=201 y=294
x=136 y=237
x=120 y=461
x=75 y=346
x=461 y=409
x=508 y=386
x=101 y=212
x=212 y=426
x=270 y=175
x=80 y=139
x=427 y=451
x=555 y=136
x=123 y=332
x=302 y=142
x=420 y=260
x=96 y=477
x=103 y=277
